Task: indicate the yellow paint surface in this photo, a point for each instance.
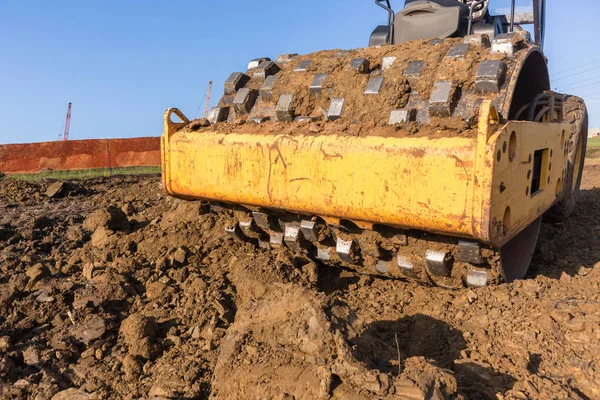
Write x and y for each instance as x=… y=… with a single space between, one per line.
x=446 y=185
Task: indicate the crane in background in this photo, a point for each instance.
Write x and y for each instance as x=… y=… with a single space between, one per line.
x=207 y=100
x=65 y=133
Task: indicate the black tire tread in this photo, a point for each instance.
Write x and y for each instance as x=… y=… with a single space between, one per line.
x=576 y=114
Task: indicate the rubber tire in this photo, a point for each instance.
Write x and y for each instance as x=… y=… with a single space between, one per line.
x=576 y=114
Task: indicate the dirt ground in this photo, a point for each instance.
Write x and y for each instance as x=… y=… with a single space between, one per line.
x=115 y=291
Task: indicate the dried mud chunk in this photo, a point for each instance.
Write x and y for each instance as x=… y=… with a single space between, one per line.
x=62 y=189
x=112 y=218
x=183 y=212
x=92 y=328
x=88 y=271
x=199 y=123
x=176 y=377
x=128 y=209
x=4 y=343
x=195 y=287
x=132 y=367
x=405 y=388
x=180 y=256
x=430 y=378
x=75 y=234
x=44 y=295
x=74 y=394
x=155 y=290
x=98 y=293
x=139 y=332
x=101 y=238
x=37 y=272
x=31 y=356
x=55 y=189
x=6 y=294
x=7 y=367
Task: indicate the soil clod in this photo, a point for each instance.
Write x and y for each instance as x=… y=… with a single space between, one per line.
x=120 y=292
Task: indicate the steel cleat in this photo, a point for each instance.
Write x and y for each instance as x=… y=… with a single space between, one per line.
x=508 y=43
x=435 y=42
x=275 y=239
x=402 y=116
x=285 y=58
x=217 y=208
x=244 y=100
x=307 y=119
x=227 y=100
x=478 y=40
x=335 y=109
x=235 y=232
x=258 y=120
x=346 y=249
x=265 y=69
x=264 y=244
x=374 y=85
x=361 y=65
x=261 y=220
x=218 y=114
x=438 y=262
x=423 y=116
x=292 y=237
x=387 y=63
x=266 y=90
x=490 y=76
x=235 y=82
x=309 y=230
x=252 y=65
x=303 y=66
x=414 y=68
x=317 y=84
x=406 y=267
x=458 y=50
x=469 y=252
x=324 y=253
x=284 y=110
x=383 y=267
x=477 y=278
x=248 y=228
x=233 y=114
x=443 y=99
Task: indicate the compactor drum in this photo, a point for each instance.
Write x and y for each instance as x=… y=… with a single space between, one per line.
x=430 y=155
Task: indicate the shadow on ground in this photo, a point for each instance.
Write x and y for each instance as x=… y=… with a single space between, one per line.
x=570 y=245
x=440 y=344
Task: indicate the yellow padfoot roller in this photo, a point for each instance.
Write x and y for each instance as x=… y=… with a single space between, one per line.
x=430 y=155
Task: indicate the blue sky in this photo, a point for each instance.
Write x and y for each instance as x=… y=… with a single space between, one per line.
x=123 y=63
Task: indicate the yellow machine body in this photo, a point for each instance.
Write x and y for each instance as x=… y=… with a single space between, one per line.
x=477 y=186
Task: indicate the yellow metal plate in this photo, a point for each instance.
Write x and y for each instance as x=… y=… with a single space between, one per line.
x=458 y=186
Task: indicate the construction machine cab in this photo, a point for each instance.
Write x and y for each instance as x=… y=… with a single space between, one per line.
x=429 y=19
x=422 y=19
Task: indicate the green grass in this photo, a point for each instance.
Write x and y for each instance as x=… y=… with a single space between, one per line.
x=593 y=149
x=594 y=142
x=87 y=173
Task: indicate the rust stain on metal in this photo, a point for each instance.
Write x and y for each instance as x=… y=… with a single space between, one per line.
x=330 y=156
